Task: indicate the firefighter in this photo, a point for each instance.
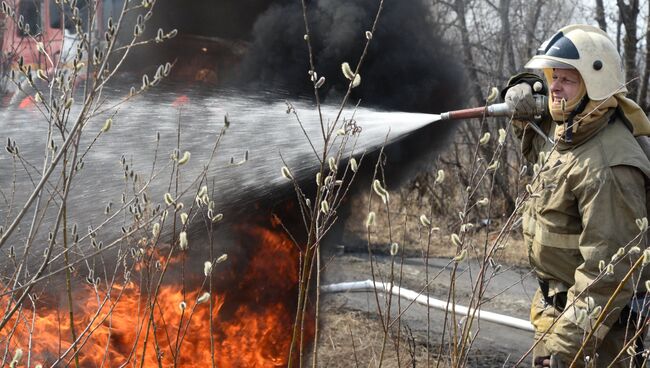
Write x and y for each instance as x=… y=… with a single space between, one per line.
x=584 y=221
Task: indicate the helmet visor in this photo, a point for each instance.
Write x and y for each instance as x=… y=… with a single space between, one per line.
x=543 y=62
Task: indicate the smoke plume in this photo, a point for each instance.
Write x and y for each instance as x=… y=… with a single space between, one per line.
x=408 y=66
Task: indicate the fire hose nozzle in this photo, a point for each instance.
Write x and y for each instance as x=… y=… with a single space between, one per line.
x=500 y=109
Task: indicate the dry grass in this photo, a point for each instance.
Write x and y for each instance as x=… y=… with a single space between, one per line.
x=405 y=229
x=354 y=339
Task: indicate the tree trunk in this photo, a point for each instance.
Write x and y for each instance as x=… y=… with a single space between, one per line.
x=600 y=15
x=643 y=90
x=470 y=65
x=506 y=37
x=532 y=18
x=629 y=13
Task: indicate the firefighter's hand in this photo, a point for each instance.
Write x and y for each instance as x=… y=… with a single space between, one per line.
x=520 y=100
x=552 y=361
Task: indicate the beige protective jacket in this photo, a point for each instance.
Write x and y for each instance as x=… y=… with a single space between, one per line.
x=584 y=207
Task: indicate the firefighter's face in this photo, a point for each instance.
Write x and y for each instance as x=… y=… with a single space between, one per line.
x=565 y=85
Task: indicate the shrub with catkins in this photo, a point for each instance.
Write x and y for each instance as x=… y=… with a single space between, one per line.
x=494 y=92
x=332 y=163
x=483 y=202
x=347 y=71
x=324 y=207
x=286 y=173
x=461 y=256
x=542 y=157
x=207 y=268
x=353 y=165
x=424 y=220
x=619 y=253
x=203 y=191
x=529 y=189
x=222 y=258
x=502 y=136
x=493 y=166
x=185 y=158
x=41 y=75
x=182 y=240
x=646 y=257
x=466 y=227
x=320 y=82
x=203 y=298
x=484 y=139
x=455 y=240
x=440 y=177
x=394 y=248
x=18 y=356
x=370 y=220
x=107 y=125
x=313 y=75
x=357 y=81
x=169 y=200
x=595 y=312
x=216 y=218
x=155 y=230
x=381 y=192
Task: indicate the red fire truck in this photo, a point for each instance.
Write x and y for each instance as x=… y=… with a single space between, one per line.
x=27 y=25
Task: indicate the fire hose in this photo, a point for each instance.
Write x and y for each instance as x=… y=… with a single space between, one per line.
x=383 y=287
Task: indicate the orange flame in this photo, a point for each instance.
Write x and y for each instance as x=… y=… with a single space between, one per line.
x=251 y=323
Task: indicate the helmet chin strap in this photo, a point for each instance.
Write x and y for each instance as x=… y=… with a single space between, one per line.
x=568 y=131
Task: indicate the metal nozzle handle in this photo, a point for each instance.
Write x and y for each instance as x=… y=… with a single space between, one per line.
x=500 y=109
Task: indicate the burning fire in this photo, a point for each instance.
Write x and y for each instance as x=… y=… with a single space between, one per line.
x=251 y=320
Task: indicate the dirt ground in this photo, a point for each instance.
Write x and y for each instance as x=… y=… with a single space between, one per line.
x=351 y=331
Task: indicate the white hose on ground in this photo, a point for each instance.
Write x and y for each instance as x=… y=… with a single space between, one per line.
x=383 y=287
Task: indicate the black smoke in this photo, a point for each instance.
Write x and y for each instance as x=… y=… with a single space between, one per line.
x=408 y=66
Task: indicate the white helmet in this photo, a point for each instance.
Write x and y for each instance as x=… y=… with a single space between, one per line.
x=589 y=50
